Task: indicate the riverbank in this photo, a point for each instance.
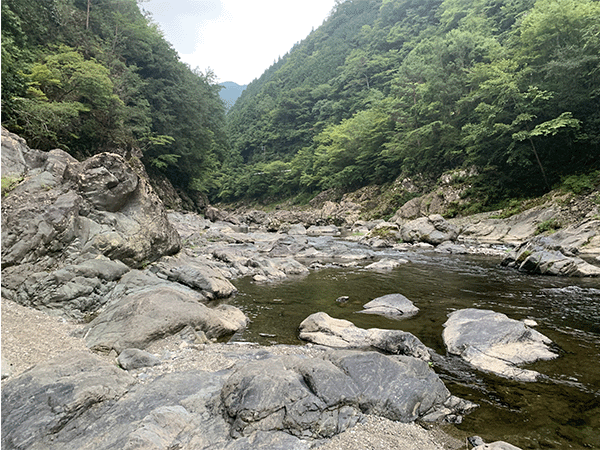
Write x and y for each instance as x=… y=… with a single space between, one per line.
x=31 y=337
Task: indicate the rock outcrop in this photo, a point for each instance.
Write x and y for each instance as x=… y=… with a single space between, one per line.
x=541 y=255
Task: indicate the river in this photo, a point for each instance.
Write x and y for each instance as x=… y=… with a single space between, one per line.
x=563 y=411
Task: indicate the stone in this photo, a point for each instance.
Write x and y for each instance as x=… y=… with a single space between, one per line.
x=432 y=230
x=395 y=306
x=322 y=329
x=297 y=230
x=492 y=342
x=139 y=318
x=43 y=400
x=386 y=264
x=540 y=256
x=498 y=445
x=134 y=358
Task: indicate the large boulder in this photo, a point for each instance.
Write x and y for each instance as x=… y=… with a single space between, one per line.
x=540 y=256
x=100 y=206
x=494 y=343
x=322 y=329
x=432 y=230
x=314 y=398
x=71 y=229
x=44 y=400
x=138 y=317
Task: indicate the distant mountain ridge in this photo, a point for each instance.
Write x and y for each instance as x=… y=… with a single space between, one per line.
x=231 y=92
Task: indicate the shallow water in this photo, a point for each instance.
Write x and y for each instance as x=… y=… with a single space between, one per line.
x=561 y=412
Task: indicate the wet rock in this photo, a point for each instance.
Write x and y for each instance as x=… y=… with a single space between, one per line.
x=449 y=247
x=322 y=329
x=498 y=445
x=297 y=229
x=494 y=343
x=395 y=306
x=386 y=264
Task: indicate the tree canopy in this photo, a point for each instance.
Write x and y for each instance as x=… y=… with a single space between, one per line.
x=389 y=88
x=97 y=75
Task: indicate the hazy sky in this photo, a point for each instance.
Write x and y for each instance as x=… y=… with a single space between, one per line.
x=237 y=39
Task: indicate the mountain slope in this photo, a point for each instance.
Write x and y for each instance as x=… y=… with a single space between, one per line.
x=231 y=92
x=406 y=88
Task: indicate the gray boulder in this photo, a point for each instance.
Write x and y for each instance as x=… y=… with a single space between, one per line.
x=313 y=398
x=322 y=329
x=76 y=290
x=494 y=343
x=498 y=445
x=139 y=318
x=395 y=306
x=432 y=230
x=540 y=256
x=196 y=273
x=272 y=395
x=47 y=398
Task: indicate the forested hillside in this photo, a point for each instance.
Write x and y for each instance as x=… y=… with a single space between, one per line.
x=508 y=89
x=97 y=75
x=389 y=88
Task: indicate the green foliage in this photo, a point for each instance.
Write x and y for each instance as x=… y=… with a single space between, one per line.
x=9 y=183
x=394 y=88
x=550 y=225
x=581 y=184
x=108 y=81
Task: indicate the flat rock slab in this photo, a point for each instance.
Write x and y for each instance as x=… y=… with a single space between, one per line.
x=395 y=306
x=322 y=329
x=494 y=343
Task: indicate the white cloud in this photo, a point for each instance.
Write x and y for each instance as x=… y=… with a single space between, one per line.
x=237 y=39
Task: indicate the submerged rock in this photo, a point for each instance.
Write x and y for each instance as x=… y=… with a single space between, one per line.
x=494 y=343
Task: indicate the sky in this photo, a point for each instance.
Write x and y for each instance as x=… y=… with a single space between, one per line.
x=237 y=39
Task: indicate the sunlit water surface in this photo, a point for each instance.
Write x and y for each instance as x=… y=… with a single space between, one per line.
x=562 y=412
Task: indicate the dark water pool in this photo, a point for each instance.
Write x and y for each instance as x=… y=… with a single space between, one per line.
x=562 y=412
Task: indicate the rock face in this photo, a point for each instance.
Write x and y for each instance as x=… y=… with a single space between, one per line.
x=541 y=256
x=494 y=343
x=395 y=306
x=72 y=233
x=322 y=329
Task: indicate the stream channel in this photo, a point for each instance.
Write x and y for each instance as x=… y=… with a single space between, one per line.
x=562 y=411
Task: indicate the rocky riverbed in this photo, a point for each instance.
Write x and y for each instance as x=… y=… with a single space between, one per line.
x=115 y=318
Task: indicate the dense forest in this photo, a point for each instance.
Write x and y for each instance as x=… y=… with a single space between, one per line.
x=97 y=75
x=509 y=89
x=415 y=88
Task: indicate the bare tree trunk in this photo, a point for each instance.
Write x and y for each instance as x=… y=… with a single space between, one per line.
x=539 y=163
x=87 y=17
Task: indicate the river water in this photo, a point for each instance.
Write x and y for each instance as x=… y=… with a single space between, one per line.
x=563 y=411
